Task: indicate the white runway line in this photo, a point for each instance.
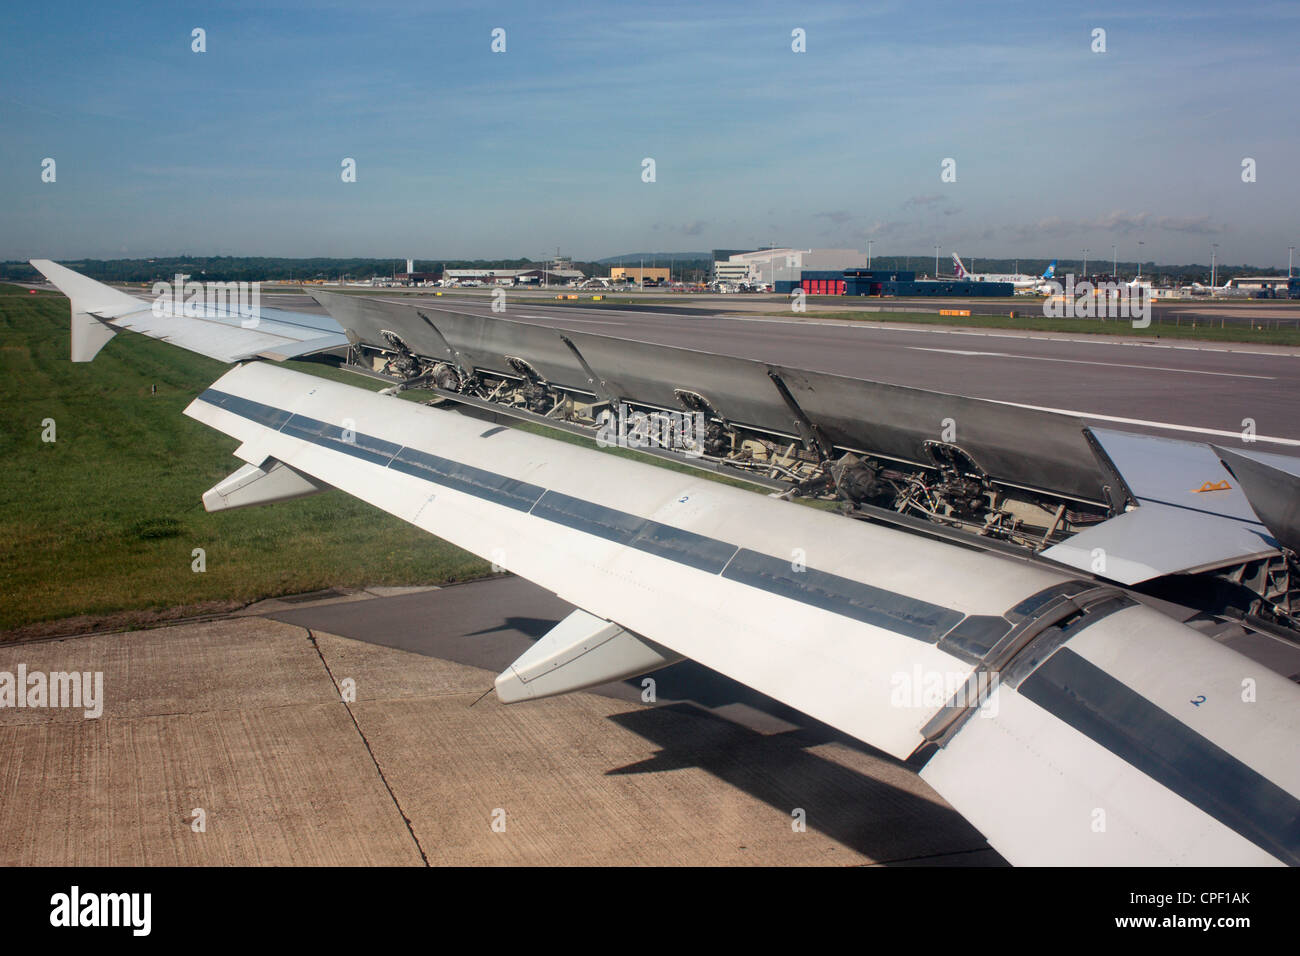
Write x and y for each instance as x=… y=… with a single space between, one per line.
x=871 y=326
x=566 y=318
x=1044 y=358
x=1093 y=416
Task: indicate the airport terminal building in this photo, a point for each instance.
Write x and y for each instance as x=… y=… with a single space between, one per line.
x=769 y=266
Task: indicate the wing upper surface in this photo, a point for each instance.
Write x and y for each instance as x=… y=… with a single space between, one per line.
x=873 y=631
x=818 y=612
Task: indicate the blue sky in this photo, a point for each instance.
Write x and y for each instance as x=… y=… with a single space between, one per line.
x=461 y=152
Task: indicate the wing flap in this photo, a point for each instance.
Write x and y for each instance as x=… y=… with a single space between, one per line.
x=1156 y=539
x=1191 y=514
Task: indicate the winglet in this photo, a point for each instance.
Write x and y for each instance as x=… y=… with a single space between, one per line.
x=91 y=302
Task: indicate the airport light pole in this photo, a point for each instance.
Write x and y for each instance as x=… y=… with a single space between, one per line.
x=1114 y=262
x=1214 y=254
x=1140 y=245
x=869 y=253
x=936 y=260
x=1085 y=262
x=1290 y=256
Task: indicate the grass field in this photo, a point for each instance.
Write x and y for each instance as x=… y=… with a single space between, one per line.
x=98 y=527
x=104 y=519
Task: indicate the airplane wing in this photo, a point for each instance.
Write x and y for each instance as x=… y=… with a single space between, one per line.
x=1068 y=722
x=1044 y=698
x=1187 y=514
x=224 y=332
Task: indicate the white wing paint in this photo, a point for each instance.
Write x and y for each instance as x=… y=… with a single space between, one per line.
x=1112 y=734
x=1067 y=722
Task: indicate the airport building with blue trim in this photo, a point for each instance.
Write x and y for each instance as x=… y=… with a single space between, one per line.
x=884 y=282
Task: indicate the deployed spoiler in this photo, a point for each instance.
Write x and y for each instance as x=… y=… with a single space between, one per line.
x=1019 y=446
x=1127 y=507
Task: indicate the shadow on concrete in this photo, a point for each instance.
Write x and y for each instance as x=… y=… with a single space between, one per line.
x=700 y=719
x=871 y=816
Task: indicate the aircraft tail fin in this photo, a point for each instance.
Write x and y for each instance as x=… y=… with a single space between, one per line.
x=958 y=267
x=92 y=303
x=1050 y=271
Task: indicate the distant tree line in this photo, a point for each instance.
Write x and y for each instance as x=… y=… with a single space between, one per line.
x=690 y=268
x=257 y=268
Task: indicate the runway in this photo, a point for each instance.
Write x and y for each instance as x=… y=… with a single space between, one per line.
x=1193 y=391
x=1204 y=391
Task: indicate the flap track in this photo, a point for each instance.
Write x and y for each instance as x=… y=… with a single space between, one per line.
x=263 y=484
x=581 y=651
